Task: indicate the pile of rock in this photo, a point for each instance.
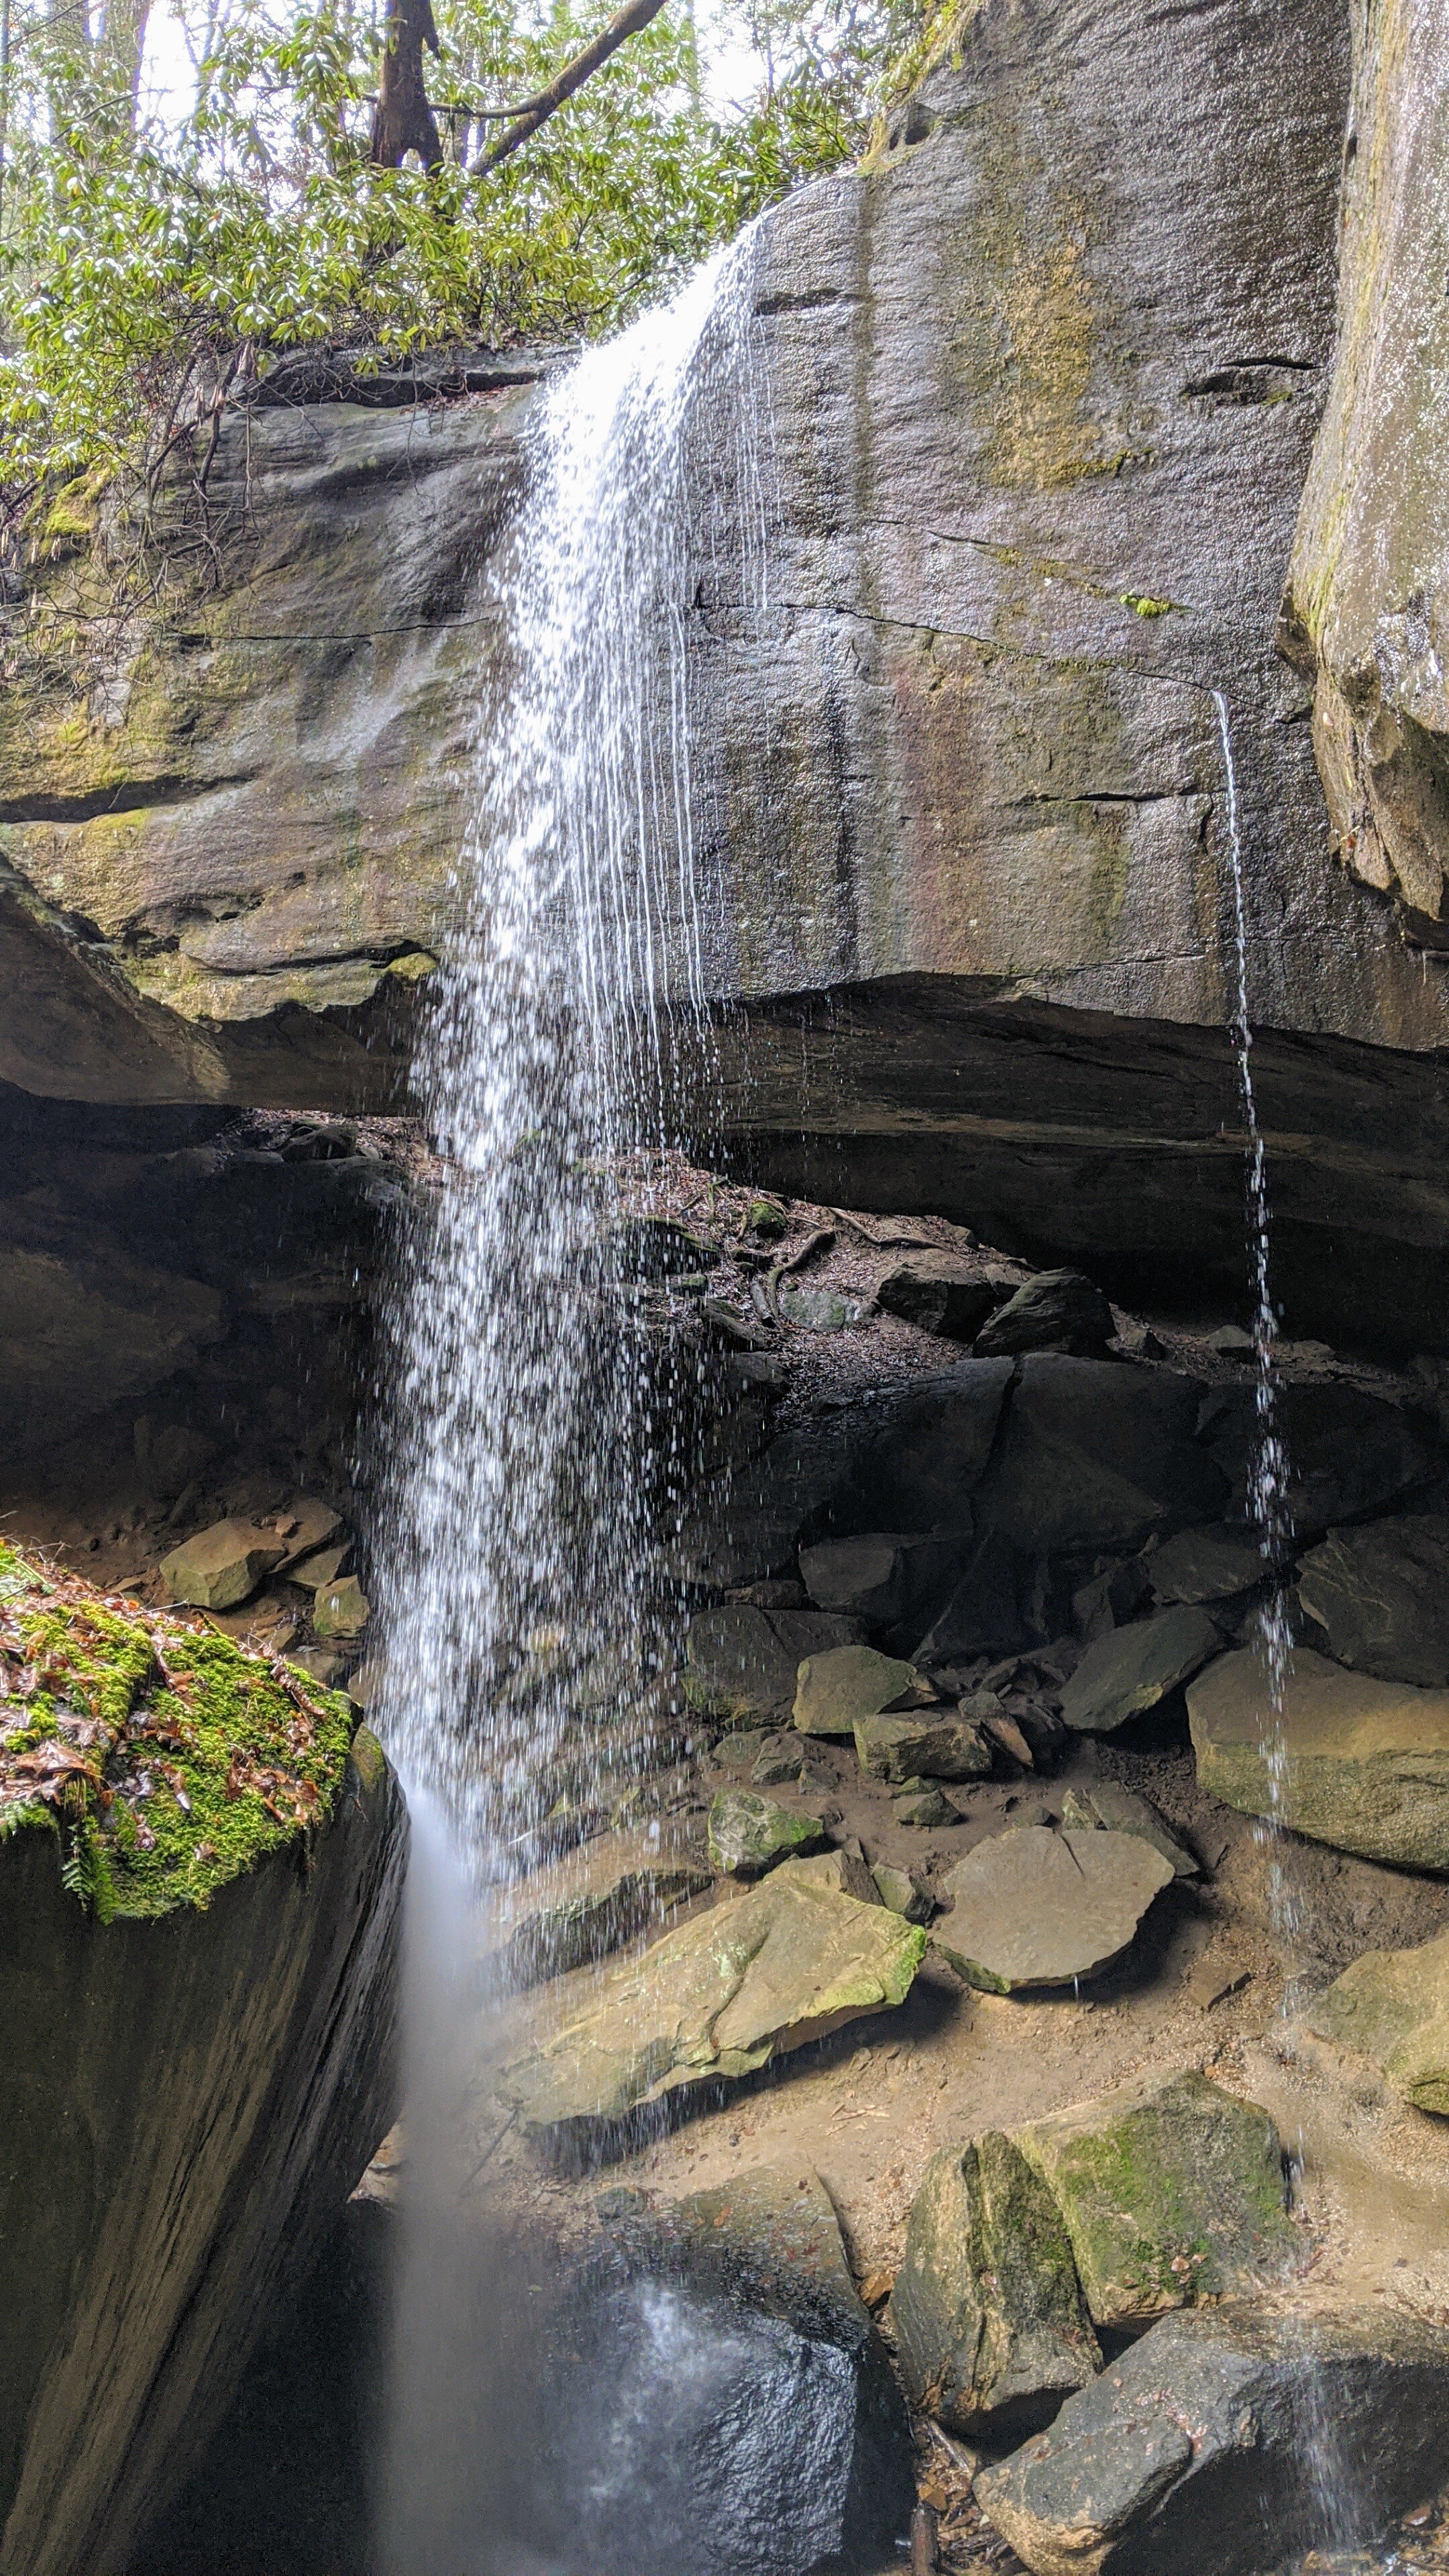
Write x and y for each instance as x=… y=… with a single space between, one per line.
x=305 y=1545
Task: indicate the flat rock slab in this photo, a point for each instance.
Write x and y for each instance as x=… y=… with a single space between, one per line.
x=1365 y=1763
x=1170 y=2193
x=1195 y=2453
x=1130 y=1670
x=718 y=1997
x=1105 y=1805
x=989 y=2319
x=749 y=1833
x=741 y=1662
x=593 y=1902
x=1381 y=1596
x=1208 y=1564
x=847 y=1683
x=1037 y=1908
x=928 y=1745
x=1393 y=2005
x=222 y=1565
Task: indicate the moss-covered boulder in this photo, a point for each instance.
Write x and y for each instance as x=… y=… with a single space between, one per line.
x=1393 y=2006
x=1169 y=2192
x=987 y=2309
x=200 y=1874
x=750 y=1834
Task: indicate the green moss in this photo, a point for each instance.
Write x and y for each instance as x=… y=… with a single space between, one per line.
x=168 y=1760
x=1143 y=605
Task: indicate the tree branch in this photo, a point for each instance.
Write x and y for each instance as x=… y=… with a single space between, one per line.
x=573 y=76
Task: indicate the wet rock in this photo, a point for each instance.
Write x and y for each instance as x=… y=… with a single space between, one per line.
x=317 y=1573
x=1097 y=1456
x=716 y=1999
x=342 y=1608
x=1381 y=1596
x=1170 y=2193
x=594 y=1902
x=1035 y=1908
x=222 y=1565
x=1129 y=1671
x=1393 y=2006
x=1348 y=1453
x=878 y=1578
x=987 y=2310
x=748 y=1833
x=781 y=1759
x=1105 y=1805
x=835 y=1689
x=764 y=2433
x=741 y=1661
x=923 y=1466
x=1058 y=1310
x=940 y=1293
x=1201 y=2452
x=903 y=1892
x=305 y=1527
x=987 y=1612
x=1205 y=1564
x=927 y=1747
x=1364 y=1763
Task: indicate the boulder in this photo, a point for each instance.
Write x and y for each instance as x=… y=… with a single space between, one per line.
x=304 y=1528
x=921 y=1469
x=987 y=2309
x=198 y=2054
x=741 y=1661
x=342 y=1608
x=1130 y=1670
x=1105 y=1805
x=1201 y=2452
x=835 y=1689
x=928 y=1746
x=1358 y=1763
x=594 y=1901
x=938 y=1292
x=318 y=1573
x=876 y=1578
x=714 y=2000
x=749 y=1833
x=1208 y=1564
x=1393 y=2006
x=919 y=1803
x=842 y=1869
x=1348 y=1453
x=221 y=1565
x=1381 y=1596
x=1035 y=1908
x=1170 y=2192
x=1096 y=1456
x=903 y=1892
x=750 y=2425
x=988 y=1611
x=819 y=1310
x=1058 y=1310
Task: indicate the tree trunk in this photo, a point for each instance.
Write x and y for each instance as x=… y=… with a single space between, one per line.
x=122 y=47
x=403 y=121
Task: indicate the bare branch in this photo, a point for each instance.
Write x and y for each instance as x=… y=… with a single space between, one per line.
x=620 y=28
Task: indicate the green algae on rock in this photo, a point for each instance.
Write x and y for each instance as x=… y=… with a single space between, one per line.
x=168 y=1761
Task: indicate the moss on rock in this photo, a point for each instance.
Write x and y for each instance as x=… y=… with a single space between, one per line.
x=166 y=1759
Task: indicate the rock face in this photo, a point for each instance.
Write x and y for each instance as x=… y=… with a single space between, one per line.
x=1195 y=2454
x=1170 y=2193
x=1393 y=2006
x=987 y=2311
x=1365 y=1767
x=741 y=1662
x=1095 y=1455
x=1039 y=1909
x=186 y=2104
x=720 y=1996
x=1381 y=1596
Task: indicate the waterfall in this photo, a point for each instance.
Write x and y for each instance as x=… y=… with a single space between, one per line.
x=531 y=1444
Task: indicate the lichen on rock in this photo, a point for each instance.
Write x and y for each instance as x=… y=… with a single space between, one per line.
x=167 y=1760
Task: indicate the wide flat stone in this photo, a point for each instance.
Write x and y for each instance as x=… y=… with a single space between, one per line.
x=1128 y=1671
x=1170 y=2192
x=1364 y=1764
x=1381 y=1595
x=835 y=1689
x=1193 y=2454
x=749 y=1833
x=1207 y=1564
x=1393 y=2006
x=1096 y=1455
x=222 y=1565
x=741 y=1662
x=594 y=1901
x=1037 y=1908
x=990 y=2324
x=927 y=1746
x=1105 y=1805
x=716 y=1999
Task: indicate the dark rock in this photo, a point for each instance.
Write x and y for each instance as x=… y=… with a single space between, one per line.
x=1228 y=2440
x=903 y=1892
x=1381 y=1596
x=1348 y=1453
x=988 y=1611
x=1058 y=1310
x=918 y=1803
x=741 y=1662
x=1205 y=1564
x=1097 y=1456
x=1110 y=1599
x=987 y=2310
x=922 y=1468
x=880 y=1579
x=939 y=1292
x=1131 y=1669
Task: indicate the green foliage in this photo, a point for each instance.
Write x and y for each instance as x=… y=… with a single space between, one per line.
x=146 y=272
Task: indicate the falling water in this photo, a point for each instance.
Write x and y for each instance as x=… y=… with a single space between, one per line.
x=522 y=1615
